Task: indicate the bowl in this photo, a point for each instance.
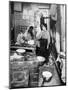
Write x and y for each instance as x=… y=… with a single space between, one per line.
x=40 y=60
x=20 y=51
x=47 y=75
x=31 y=42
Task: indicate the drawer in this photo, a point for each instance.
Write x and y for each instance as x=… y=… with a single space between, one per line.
x=19 y=76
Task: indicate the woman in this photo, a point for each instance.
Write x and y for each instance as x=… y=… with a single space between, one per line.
x=29 y=35
x=20 y=38
x=44 y=40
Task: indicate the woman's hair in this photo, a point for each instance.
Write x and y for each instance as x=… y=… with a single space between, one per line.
x=30 y=30
x=45 y=25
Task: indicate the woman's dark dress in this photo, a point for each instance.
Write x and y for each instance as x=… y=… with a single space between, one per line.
x=42 y=50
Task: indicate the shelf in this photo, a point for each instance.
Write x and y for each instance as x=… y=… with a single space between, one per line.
x=29 y=48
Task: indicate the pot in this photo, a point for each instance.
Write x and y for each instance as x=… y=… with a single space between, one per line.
x=20 y=51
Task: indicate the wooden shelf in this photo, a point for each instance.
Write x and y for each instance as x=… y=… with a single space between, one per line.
x=28 y=48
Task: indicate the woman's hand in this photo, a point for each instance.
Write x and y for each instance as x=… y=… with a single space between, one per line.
x=21 y=41
x=47 y=46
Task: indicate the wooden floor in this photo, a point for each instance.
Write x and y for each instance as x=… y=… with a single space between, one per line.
x=54 y=81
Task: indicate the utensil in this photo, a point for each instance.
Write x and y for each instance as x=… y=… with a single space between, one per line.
x=20 y=51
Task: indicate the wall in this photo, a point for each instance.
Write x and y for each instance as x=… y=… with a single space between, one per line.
x=60 y=28
x=26 y=17
x=63 y=30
